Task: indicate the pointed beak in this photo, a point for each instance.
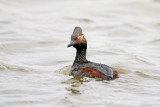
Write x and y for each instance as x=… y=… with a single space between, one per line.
x=71 y=44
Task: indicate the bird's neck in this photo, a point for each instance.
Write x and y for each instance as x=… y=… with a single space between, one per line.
x=80 y=56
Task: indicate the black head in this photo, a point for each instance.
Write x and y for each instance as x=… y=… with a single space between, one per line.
x=77 y=39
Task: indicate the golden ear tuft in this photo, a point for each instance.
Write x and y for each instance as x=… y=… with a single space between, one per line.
x=81 y=39
x=81 y=36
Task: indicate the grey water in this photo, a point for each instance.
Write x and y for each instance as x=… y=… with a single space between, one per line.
x=35 y=60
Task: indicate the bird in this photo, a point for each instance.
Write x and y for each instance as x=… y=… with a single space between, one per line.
x=81 y=66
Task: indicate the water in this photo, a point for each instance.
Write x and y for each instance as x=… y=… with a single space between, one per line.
x=35 y=60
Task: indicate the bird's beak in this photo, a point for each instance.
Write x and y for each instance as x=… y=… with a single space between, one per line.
x=71 y=44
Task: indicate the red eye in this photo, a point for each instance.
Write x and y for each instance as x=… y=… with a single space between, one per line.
x=77 y=39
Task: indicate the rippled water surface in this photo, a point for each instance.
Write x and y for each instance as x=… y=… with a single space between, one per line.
x=35 y=60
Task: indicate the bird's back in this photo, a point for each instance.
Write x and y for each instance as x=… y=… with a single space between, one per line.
x=95 y=70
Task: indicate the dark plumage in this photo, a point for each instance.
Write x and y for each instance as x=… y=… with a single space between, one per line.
x=83 y=67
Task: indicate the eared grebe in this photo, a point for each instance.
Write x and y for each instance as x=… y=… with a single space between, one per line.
x=83 y=67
